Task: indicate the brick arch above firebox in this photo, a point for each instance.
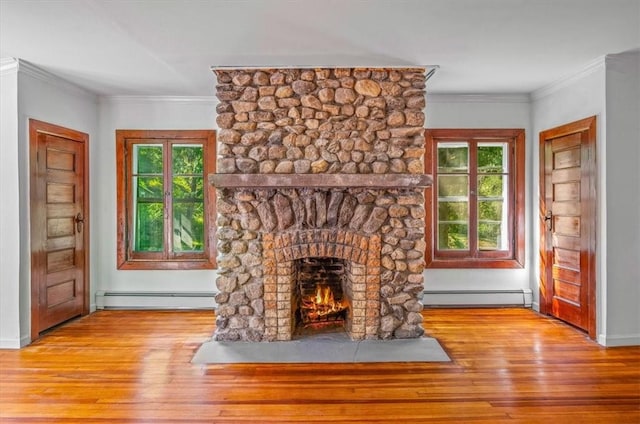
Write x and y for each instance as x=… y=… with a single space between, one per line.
x=341 y=244
x=361 y=252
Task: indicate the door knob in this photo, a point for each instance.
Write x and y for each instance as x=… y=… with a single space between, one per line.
x=79 y=221
x=548 y=219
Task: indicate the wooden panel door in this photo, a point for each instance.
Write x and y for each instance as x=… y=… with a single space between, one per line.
x=59 y=225
x=567 y=223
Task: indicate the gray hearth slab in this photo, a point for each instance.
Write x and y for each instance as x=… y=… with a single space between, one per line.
x=324 y=348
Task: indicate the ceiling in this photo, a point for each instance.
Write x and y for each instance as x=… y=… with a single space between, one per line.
x=167 y=47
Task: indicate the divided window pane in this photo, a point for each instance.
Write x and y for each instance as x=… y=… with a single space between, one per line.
x=493 y=193
x=488 y=176
x=453 y=157
x=148 y=201
x=188 y=197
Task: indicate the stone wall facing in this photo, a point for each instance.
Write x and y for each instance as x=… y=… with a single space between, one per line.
x=319 y=121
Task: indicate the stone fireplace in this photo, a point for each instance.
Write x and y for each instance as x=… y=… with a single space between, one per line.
x=320 y=194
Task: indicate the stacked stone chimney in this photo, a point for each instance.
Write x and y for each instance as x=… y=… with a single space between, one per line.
x=320 y=163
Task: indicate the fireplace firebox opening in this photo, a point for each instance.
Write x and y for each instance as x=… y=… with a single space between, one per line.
x=321 y=295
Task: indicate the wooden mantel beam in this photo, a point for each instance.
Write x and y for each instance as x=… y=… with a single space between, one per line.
x=392 y=181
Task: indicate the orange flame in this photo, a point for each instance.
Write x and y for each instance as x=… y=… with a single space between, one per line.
x=321 y=304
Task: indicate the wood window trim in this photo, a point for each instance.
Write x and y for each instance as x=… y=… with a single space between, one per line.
x=516 y=259
x=124 y=261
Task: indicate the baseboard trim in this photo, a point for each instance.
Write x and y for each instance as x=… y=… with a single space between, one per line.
x=482 y=298
x=206 y=300
x=155 y=300
x=619 y=340
x=9 y=344
x=15 y=343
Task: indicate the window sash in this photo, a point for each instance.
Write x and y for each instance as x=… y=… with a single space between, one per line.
x=169 y=202
x=469 y=244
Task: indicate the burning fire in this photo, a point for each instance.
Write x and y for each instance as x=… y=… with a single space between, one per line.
x=321 y=304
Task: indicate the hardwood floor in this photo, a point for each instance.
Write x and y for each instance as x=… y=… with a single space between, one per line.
x=509 y=365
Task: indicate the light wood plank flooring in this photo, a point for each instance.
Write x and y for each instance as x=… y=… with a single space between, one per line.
x=509 y=365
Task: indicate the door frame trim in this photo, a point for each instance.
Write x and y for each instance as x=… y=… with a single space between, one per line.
x=39 y=127
x=589 y=169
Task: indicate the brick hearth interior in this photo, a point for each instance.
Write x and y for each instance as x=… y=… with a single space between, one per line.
x=320 y=163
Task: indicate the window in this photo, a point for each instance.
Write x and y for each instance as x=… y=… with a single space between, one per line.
x=475 y=208
x=165 y=204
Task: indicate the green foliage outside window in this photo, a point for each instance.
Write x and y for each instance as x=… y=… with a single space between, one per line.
x=492 y=192
x=148 y=183
x=152 y=201
x=453 y=157
x=188 y=198
x=453 y=194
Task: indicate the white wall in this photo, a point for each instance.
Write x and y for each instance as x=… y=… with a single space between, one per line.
x=47 y=98
x=622 y=324
x=9 y=210
x=141 y=113
x=464 y=286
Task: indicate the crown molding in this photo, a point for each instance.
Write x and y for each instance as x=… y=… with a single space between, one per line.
x=567 y=80
x=158 y=99
x=478 y=98
x=38 y=73
x=629 y=55
x=8 y=65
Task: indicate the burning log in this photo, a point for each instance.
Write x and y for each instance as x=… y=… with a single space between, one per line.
x=321 y=306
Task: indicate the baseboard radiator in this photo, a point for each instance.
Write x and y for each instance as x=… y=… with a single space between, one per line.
x=206 y=300
x=477 y=298
x=155 y=300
